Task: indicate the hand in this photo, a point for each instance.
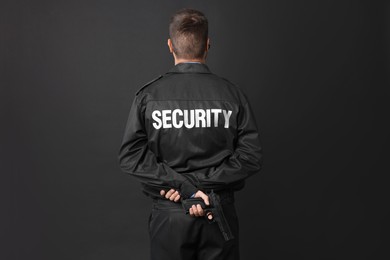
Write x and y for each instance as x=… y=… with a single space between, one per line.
x=197 y=210
x=172 y=195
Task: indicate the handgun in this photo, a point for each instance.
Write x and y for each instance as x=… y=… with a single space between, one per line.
x=187 y=204
x=215 y=209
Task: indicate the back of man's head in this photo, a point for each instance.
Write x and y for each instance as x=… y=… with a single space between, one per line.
x=188 y=31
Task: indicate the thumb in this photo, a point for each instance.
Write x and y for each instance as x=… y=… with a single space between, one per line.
x=206 y=199
x=162 y=192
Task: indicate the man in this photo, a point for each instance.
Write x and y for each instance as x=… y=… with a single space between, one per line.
x=190 y=132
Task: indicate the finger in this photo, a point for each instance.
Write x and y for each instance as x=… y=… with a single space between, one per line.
x=177 y=198
x=206 y=199
x=173 y=196
x=191 y=212
x=200 y=210
x=162 y=192
x=169 y=193
x=195 y=211
x=209 y=215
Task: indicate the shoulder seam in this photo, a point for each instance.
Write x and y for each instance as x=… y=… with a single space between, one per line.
x=147 y=84
x=228 y=81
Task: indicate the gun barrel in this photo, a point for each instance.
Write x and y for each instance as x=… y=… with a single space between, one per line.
x=219 y=217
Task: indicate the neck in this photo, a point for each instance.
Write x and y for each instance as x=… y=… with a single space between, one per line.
x=183 y=60
x=177 y=61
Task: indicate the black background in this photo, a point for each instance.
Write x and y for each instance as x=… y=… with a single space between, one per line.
x=316 y=76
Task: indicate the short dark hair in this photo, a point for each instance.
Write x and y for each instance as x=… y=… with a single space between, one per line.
x=188 y=31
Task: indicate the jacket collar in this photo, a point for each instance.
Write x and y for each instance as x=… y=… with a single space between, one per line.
x=190 y=68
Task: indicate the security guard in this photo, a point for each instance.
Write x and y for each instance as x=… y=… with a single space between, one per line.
x=190 y=132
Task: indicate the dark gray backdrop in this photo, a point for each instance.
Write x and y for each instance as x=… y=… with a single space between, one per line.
x=314 y=71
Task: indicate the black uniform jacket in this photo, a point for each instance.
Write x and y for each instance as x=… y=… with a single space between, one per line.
x=188 y=130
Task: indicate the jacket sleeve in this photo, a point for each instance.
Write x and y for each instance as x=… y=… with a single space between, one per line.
x=243 y=162
x=136 y=159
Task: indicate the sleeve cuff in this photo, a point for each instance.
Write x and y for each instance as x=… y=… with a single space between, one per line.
x=187 y=189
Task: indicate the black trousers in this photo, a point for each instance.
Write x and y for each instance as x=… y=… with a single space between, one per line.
x=177 y=236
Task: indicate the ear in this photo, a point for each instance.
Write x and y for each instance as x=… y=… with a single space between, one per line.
x=208 y=44
x=169 y=42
